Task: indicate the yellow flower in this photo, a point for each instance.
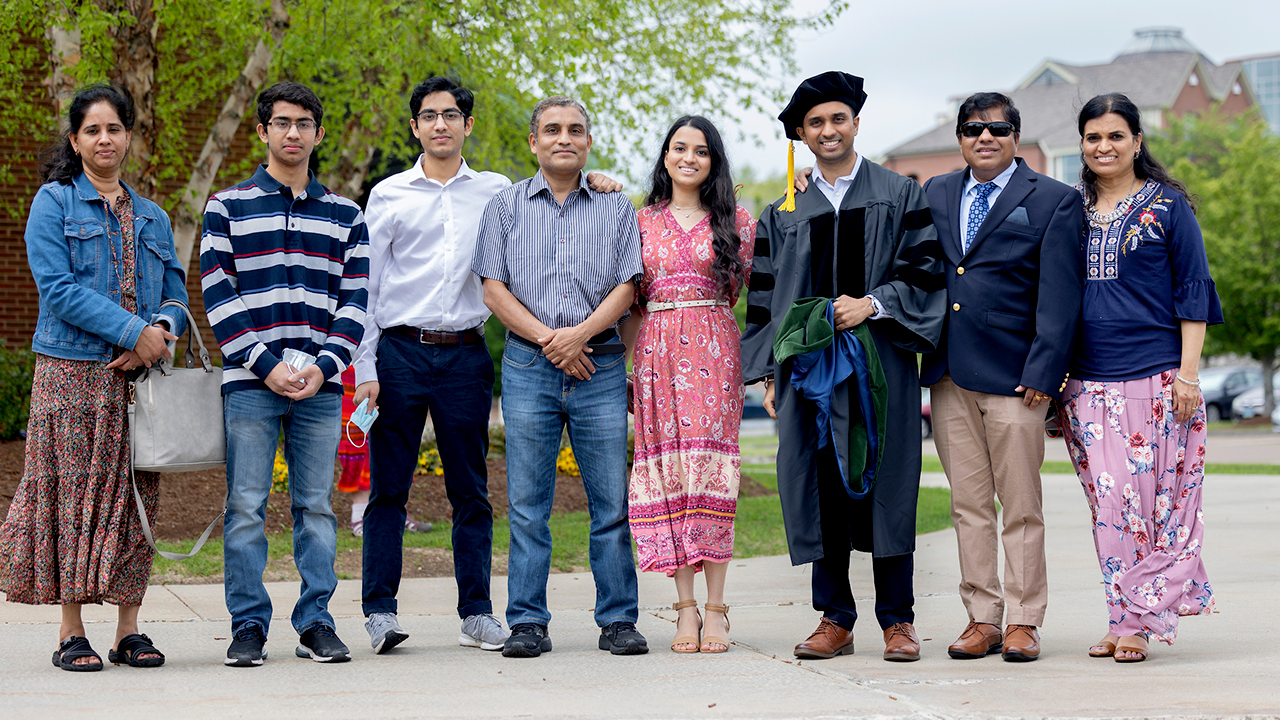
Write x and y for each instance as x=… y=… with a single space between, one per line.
x=566 y=463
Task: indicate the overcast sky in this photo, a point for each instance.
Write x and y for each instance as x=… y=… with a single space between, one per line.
x=916 y=54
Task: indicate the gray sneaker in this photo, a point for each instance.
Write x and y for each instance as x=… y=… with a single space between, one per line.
x=483 y=631
x=384 y=632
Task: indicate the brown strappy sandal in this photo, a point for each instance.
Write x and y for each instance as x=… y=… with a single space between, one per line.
x=687 y=639
x=1105 y=648
x=1136 y=644
x=712 y=639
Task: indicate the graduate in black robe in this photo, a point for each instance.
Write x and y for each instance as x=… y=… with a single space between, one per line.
x=862 y=235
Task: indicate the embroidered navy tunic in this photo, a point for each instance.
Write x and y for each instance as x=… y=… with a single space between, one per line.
x=1144 y=274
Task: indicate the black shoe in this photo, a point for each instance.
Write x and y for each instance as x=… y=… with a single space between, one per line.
x=322 y=645
x=246 y=649
x=622 y=638
x=527 y=640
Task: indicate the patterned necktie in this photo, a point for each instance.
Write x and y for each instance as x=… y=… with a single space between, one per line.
x=978 y=211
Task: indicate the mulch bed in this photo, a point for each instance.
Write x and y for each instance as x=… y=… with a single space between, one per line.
x=188 y=501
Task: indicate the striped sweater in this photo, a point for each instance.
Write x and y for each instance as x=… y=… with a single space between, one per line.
x=281 y=272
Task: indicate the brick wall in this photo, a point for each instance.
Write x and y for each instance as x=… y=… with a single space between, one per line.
x=19 y=301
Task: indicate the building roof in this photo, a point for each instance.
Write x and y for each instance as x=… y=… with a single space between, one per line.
x=1051 y=96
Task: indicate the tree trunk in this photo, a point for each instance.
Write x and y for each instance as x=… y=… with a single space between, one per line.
x=190 y=210
x=136 y=62
x=358 y=144
x=1268 y=385
x=64 y=55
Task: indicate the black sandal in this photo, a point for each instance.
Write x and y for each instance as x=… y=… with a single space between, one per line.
x=73 y=648
x=130 y=647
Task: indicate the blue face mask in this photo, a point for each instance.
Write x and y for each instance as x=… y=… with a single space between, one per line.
x=362 y=418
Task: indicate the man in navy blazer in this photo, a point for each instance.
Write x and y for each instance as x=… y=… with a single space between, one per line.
x=1011 y=241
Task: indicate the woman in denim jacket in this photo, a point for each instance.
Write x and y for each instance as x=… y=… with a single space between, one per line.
x=103 y=260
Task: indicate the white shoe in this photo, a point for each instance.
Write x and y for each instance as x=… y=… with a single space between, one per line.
x=483 y=631
x=384 y=632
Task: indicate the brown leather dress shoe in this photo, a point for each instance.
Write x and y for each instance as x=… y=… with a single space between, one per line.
x=1021 y=643
x=977 y=640
x=828 y=641
x=901 y=644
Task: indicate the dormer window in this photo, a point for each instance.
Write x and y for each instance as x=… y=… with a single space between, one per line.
x=1236 y=89
x=1194 y=80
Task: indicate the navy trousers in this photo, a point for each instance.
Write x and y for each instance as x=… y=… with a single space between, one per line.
x=832 y=594
x=454 y=383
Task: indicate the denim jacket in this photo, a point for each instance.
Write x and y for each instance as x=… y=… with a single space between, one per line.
x=71 y=241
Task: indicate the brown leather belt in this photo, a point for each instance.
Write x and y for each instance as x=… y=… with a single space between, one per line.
x=439 y=337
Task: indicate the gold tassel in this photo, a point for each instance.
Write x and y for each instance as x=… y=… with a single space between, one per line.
x=789 y=205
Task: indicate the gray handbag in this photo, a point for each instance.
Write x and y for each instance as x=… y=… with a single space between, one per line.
x=175 y=422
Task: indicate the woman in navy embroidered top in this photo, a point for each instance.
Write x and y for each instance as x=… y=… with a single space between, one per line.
x=1133 y=417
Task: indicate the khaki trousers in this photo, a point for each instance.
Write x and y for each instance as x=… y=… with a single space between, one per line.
x=992 y=446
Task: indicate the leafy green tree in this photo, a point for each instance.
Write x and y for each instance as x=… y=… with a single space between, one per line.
x=634 y=63
x=1232 y=165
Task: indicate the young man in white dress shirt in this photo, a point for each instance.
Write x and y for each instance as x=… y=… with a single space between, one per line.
x=423 y=350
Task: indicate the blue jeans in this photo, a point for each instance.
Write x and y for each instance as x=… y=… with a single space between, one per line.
x=455 y=383
x=538 y=399
x=254 y=419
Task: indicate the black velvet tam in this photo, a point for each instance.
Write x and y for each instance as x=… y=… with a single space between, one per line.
x=827 y=87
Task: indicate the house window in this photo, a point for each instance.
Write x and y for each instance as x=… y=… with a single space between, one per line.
x=1194 y=80
x=1067 y=168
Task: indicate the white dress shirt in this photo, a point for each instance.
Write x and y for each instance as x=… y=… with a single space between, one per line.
x=970 y=194
x=422 y=236
x=835 y=195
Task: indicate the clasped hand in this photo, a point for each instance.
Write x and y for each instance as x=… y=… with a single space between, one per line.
x=295 y=384
x=152 y=344
x=851 y=312
x=567 y=349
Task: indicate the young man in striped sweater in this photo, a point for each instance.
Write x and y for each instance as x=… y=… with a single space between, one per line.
x=284 y=266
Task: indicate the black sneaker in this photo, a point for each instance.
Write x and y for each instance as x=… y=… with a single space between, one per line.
x=322 y=645
x=622 y=638
x=246 y=648
x=527 y=640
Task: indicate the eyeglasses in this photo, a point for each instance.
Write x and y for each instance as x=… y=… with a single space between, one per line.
x=452 y=117
x=998 y=128
x=304 y=126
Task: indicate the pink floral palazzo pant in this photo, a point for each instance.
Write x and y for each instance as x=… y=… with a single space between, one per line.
x=1142 y=474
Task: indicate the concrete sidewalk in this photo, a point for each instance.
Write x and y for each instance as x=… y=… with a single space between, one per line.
x=1224 y=665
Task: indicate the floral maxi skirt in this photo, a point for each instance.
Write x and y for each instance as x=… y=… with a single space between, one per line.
x=73 y=534
x=1142 y=474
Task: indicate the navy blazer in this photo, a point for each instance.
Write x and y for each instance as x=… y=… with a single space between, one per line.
x=1014 y=299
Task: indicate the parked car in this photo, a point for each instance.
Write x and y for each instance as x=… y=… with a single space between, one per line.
x=926 y=414
x=1249 y=403
x=753 y=404
x=1220 y=386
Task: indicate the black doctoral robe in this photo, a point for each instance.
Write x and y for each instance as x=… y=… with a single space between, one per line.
x=881 y=242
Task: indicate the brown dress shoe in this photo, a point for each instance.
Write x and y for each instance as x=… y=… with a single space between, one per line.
x=977 y=640
x=901 y=644
x=828 y=641
x=1021 y=643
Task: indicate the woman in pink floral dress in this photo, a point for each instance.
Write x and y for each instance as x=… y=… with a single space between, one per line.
x=697 y=247
x=1133 y=416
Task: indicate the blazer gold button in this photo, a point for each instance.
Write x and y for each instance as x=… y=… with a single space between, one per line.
x=956 y=306
x=959 y=271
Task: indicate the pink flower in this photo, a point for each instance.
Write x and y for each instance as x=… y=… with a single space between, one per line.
x=1147 y=217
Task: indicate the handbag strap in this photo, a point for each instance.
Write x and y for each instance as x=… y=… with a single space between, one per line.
x=146 y=525
x=195 y=334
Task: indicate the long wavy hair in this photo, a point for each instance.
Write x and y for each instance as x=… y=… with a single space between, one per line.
x=717 y=197
x=1145 y=166
x=61 y=163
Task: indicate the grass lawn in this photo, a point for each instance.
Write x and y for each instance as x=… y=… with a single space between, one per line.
x=758 y=524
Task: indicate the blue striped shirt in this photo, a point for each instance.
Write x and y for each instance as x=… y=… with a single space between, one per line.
x=283 y=272
x=559 y=261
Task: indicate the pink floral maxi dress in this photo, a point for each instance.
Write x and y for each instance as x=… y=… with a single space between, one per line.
x=688 y=399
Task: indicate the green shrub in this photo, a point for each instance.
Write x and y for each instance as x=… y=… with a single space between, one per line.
x=16 y=371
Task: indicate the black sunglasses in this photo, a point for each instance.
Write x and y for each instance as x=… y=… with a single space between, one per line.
x=998 y=128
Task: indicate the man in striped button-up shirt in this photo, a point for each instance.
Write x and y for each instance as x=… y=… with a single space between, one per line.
x=284 y=265
x=559 y=263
